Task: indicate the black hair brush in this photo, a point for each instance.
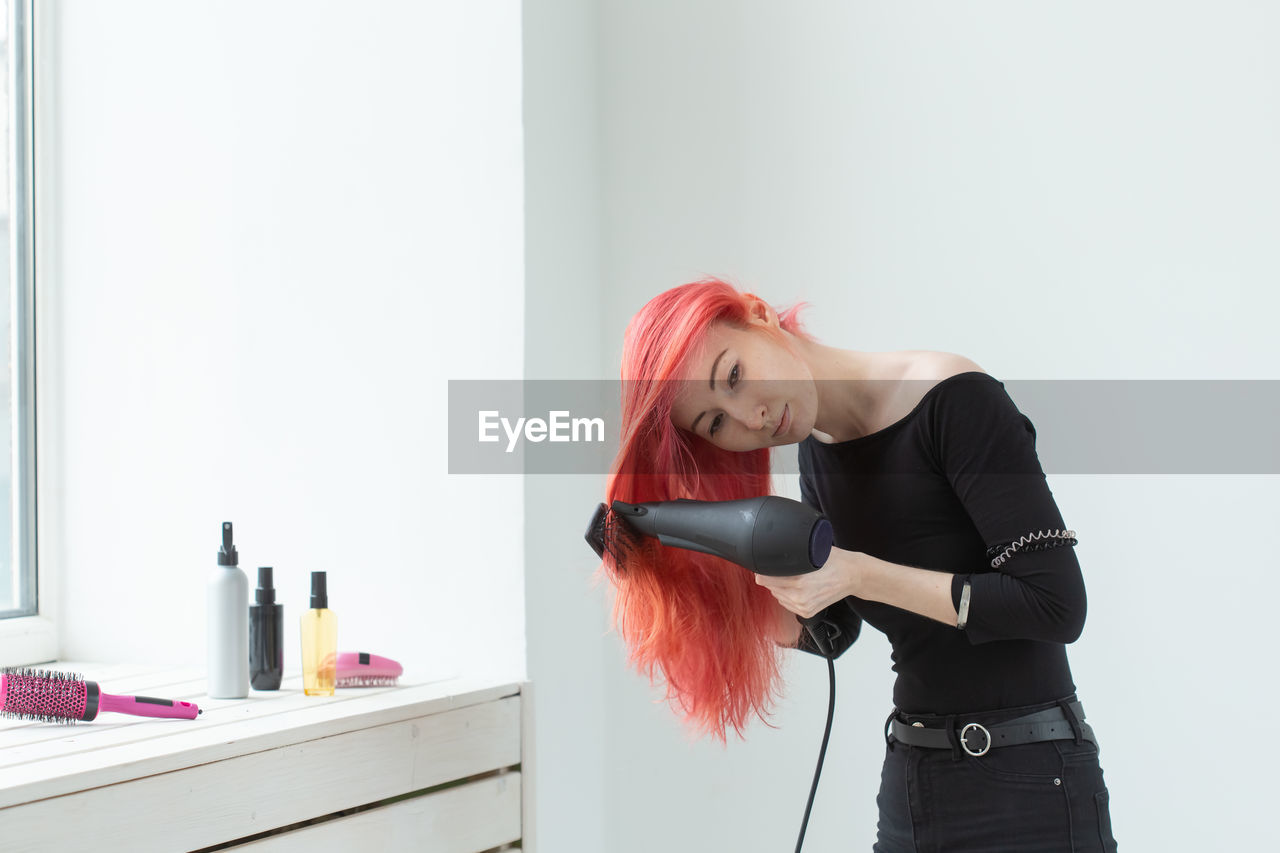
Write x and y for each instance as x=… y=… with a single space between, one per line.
x=769 y=535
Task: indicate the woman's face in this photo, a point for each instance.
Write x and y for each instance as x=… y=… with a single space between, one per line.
x=746 y=391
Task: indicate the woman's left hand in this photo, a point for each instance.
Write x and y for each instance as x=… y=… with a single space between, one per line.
x=808 y=594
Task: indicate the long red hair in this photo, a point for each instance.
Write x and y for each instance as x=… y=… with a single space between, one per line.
x=701 y=621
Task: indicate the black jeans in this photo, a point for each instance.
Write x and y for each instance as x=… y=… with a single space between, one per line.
x=1047 y=796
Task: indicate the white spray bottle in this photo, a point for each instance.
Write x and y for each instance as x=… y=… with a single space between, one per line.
x=228 y=622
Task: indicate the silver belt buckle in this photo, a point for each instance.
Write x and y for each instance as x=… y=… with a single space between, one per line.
x=964 y=744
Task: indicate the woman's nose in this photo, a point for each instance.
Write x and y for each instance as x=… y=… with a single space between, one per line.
x=752 y=415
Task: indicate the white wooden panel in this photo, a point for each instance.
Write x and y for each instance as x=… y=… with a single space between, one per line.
x=529 y=765
x=479 y=815
x=276 y=786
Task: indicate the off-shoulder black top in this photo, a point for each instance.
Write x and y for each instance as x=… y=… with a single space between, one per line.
x=956 y=477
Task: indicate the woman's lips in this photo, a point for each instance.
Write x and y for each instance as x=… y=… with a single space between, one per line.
x=785 y=422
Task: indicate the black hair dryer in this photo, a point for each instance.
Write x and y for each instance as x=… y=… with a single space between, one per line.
x=770 y=535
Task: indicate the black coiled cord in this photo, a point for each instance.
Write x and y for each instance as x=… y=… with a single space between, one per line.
x=822 y=753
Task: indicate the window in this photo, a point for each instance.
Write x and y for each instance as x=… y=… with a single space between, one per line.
x=18 y=593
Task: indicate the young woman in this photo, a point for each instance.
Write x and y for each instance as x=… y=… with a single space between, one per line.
x=947 y=539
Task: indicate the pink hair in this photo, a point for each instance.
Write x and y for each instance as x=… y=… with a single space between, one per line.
x=703 y=622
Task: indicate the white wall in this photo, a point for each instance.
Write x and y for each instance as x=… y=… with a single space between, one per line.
x=1056 y=190
x=565 y=619
x=277 y=229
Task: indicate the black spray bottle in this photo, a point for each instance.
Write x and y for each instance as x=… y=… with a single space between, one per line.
x=266 y=635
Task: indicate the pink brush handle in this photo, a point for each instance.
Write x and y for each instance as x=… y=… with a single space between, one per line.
x=145 y=706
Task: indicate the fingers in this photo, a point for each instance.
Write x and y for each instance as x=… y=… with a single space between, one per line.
x=801 y=606
x=808 y=594
x=776 y=583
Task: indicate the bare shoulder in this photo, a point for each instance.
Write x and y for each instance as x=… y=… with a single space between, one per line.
x=916 y=372
x=932 y=367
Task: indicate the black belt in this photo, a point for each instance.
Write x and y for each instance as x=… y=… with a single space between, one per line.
x=976 y=738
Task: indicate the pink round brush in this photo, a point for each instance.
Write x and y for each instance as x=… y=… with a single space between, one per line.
x=65 y=697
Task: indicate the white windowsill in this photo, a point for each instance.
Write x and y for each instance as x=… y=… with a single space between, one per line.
x=27 y=638
x=219 y=764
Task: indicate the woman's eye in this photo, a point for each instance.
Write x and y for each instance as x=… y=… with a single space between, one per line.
x=715 y=424
x=733 y=376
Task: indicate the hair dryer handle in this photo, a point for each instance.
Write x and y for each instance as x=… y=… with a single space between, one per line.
x=824 y=633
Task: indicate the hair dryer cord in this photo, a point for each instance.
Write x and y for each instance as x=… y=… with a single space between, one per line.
x=822 y=753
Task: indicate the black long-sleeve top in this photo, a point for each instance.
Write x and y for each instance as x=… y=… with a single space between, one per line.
x=936 y=490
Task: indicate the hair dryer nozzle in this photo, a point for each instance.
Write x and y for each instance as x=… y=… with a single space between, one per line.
x=610 y=533
x=595 y=530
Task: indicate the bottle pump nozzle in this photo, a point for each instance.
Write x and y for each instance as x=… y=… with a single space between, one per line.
x=266 y=591
x=319 y=591
x=227 y=555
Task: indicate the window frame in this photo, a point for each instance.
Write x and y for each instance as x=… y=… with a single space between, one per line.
x=32 y=638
